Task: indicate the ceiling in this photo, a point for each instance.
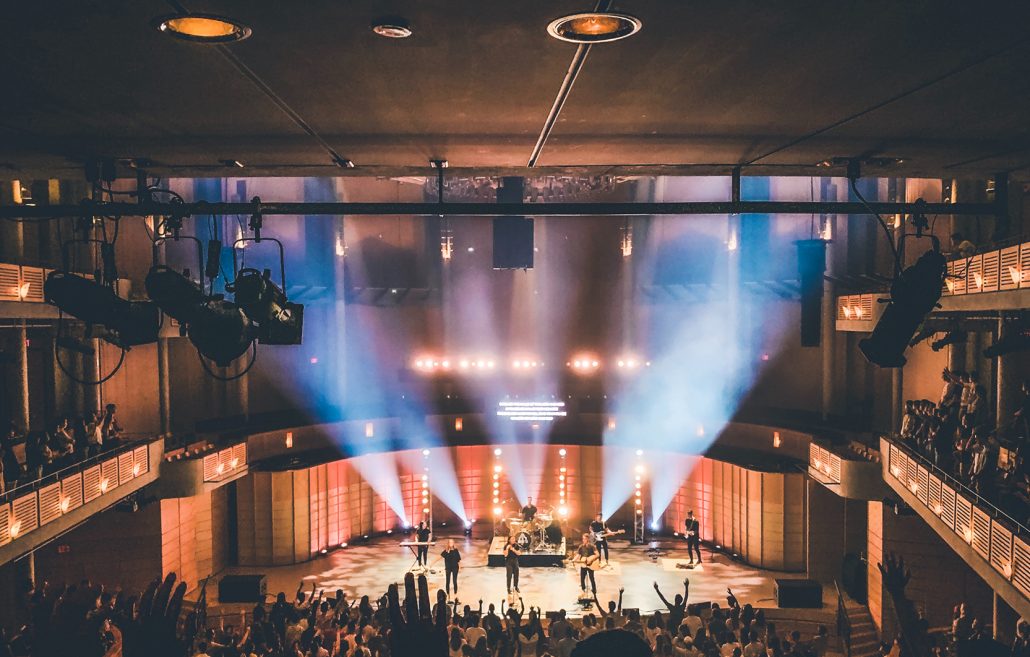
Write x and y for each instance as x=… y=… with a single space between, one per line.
x=777 y=87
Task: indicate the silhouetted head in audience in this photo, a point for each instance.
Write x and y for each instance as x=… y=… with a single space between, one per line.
x=612 y=643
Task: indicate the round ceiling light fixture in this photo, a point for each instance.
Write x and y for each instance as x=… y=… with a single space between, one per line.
x=202 y=28
x=392 y=28
x=594 y=27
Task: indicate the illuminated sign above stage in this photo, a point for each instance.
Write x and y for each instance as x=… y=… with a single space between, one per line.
x=531 y=411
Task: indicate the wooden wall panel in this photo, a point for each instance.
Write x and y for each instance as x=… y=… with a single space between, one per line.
x=287 y=517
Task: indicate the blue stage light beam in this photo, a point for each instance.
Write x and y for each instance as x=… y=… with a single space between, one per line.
x=380 y=471
x=443 y=483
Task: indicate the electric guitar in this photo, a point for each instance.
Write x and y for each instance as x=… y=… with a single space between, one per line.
x=597 y=537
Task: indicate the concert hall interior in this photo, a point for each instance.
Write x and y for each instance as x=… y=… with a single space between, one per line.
x=719 y=312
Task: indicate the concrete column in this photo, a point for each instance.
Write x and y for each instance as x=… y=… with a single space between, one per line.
x=829 y=334
x=243 y=389
x=20 y=410
x=94 y=397
x=164 y=391
x=164 y=396
x=1008 y=378
x=897 y=397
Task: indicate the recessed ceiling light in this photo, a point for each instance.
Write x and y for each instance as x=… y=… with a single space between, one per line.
x=202 y=28
x=392 y=28
x=594 y=27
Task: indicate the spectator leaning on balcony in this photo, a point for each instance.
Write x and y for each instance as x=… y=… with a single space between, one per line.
x=38 y=456
x=95 y=433
x=961 y=247
x=111 y=429
x=61 y=442
x=951 y=395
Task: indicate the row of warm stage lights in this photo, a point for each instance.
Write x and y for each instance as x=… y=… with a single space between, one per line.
x=584 y=364
x=563 y=509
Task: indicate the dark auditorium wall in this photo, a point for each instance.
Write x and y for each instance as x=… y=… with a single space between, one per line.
x=940 y=579
x=116 y=547
x=187 y=536
x=836 y=527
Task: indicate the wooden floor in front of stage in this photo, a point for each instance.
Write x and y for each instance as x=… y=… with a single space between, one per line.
x=368 y=568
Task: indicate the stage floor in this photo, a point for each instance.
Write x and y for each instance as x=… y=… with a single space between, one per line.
x=368 y=568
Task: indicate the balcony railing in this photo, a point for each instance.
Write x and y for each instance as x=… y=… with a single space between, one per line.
x=22 y=283
x=998 y=270
x=33 y=505
x=1007 y=268
x=997 y=538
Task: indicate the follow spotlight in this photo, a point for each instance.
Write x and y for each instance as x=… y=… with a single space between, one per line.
x=277 y=320
x=128 y=323
x=218 y=328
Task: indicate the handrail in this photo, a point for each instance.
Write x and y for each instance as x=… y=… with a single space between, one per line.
x=982 y=502
x=843 y=621
x=56 y=475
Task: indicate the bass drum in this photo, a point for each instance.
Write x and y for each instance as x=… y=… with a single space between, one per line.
x=523 y=540
x=554 y=534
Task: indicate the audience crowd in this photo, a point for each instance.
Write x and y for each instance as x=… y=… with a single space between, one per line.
x=957 y=434
x=87 y=619
x=64 y=442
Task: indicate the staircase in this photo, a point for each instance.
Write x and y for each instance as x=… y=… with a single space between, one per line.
x=864 y=640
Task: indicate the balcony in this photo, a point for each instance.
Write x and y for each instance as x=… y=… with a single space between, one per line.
x=37 y=512
x=995 y=545
x=200 y=469
x=849 y=470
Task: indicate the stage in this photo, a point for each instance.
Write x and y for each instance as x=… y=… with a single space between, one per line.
x=555 y=557
x=367 y=568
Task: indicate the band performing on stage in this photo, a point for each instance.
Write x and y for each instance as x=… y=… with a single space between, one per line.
x=536 y=536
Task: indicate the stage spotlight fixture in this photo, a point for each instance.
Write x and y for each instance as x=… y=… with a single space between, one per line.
x=128 y=323
x=914 y=293
x=951 y=337
x=221 y=331
x=278 y=321
x=1016 y=339
x=922 y=334
x=217 y=328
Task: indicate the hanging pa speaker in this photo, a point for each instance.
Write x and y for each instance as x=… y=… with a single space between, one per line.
x=811 y=267
x=513 y=236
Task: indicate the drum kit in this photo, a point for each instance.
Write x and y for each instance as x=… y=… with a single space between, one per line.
x=541 y=534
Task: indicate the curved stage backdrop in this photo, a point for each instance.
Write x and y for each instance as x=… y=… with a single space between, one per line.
x=290 y=515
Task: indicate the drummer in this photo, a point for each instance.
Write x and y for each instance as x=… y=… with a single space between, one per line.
x=528 y=511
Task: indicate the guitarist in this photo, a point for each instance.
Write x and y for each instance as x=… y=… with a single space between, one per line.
x=692 y=533
x=600 y=531
x=587 y=556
